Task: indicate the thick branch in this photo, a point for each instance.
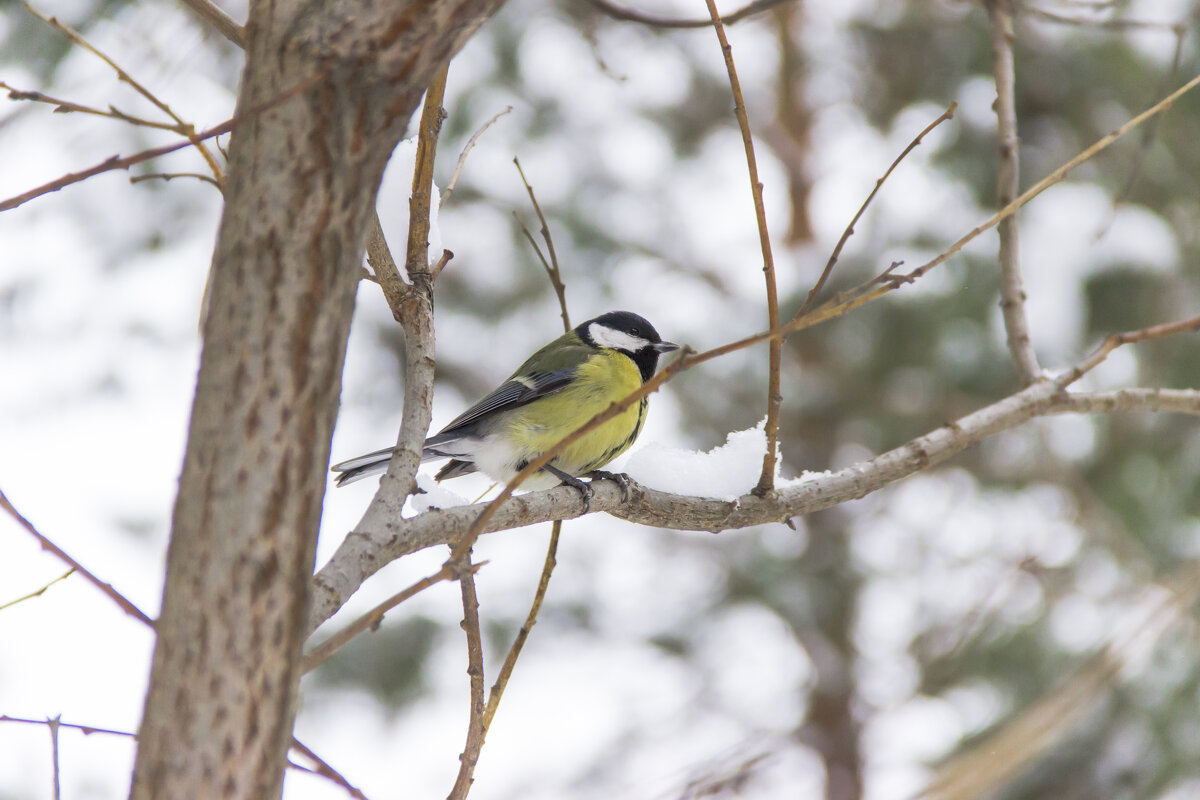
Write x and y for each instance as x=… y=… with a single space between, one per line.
x=1008 y=184
x=367 y=550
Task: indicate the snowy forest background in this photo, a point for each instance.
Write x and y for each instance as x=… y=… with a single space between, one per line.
x=1046 y=572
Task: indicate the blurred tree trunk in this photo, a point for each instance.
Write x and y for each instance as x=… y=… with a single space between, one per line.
x=302 y=178
x=790 y=140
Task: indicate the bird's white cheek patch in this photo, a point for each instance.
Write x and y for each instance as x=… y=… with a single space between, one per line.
x=617 y=340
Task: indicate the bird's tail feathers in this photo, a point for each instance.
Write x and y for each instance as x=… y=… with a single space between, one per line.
x=376 y=463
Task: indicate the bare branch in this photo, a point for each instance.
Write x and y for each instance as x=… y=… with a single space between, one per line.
x=126 y=606
x=321 y=653
x=462 y=157
x=1177 y=401
x=383 y=537
x=86 y=730
x=849 y=231
x=325 y=770
x=476 y=728
x=766 y=480
x=1056 y=176
x=627 y=15
x=69 y=107
x=37 y=592
x=117 y=162
x=1008 y=183
x=187 y=128
x=53 y=724
x=169 y=176
x=551 y=266
x=514 y=652
x=214 y=16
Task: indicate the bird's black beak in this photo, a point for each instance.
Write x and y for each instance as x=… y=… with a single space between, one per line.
x=664 y=347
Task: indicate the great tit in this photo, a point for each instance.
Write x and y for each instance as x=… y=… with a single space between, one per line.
x=557 y=390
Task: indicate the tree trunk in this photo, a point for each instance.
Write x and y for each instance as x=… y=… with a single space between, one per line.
x=303 y=174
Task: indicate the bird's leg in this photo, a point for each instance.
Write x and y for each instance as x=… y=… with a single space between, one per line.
x=619 y=478
x=585 y=491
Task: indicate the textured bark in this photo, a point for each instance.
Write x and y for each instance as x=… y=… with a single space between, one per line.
x=302 y=178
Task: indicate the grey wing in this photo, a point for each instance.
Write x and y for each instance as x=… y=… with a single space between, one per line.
x=510 y=394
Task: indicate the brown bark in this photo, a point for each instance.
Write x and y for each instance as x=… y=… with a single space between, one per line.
x=302 y=178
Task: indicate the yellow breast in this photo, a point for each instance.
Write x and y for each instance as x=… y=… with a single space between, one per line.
x=603 y=379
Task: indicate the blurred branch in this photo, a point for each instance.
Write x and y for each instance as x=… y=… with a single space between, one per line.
x=107 y=588
x=1176 y=401
x=1008 y=184
x=627 y=15
x=1119 y=24
x=551 y=266
x=999 y=757
x=186 y=129
x=462 y=157
x=37 y=592
x=1148 y=134
x=766 y=479
x=384 y=535
x=214 y=16
x=476 y=727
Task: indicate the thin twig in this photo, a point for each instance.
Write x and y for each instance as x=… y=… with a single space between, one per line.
x=552 y=269
x=476 y=727
x=514 y=652
x=325 y=770
x=462 y=157
x=868 y=292
x=69 y=107
x=849 y=231
x=219 y=20
x=1008 y=184
x=117 y=162
x=321 y=653
x=1120 y=24
x=1148 y=134
x=189 y=130
x=53 y=725
x=1115 y=340
x=38 y=592
x=126 y=606
x=627 y=15
x=168 y=176
x=86 y=730
x=766 y=480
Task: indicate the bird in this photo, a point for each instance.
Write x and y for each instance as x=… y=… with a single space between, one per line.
x=557 y=390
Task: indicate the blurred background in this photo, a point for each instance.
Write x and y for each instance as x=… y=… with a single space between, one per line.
x=854 y=657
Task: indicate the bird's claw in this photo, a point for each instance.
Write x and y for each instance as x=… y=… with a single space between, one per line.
x=619 y=478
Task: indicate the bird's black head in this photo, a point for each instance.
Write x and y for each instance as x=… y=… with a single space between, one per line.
x=630 y=334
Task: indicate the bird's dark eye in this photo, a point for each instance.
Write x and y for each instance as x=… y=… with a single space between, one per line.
x=635 y=331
